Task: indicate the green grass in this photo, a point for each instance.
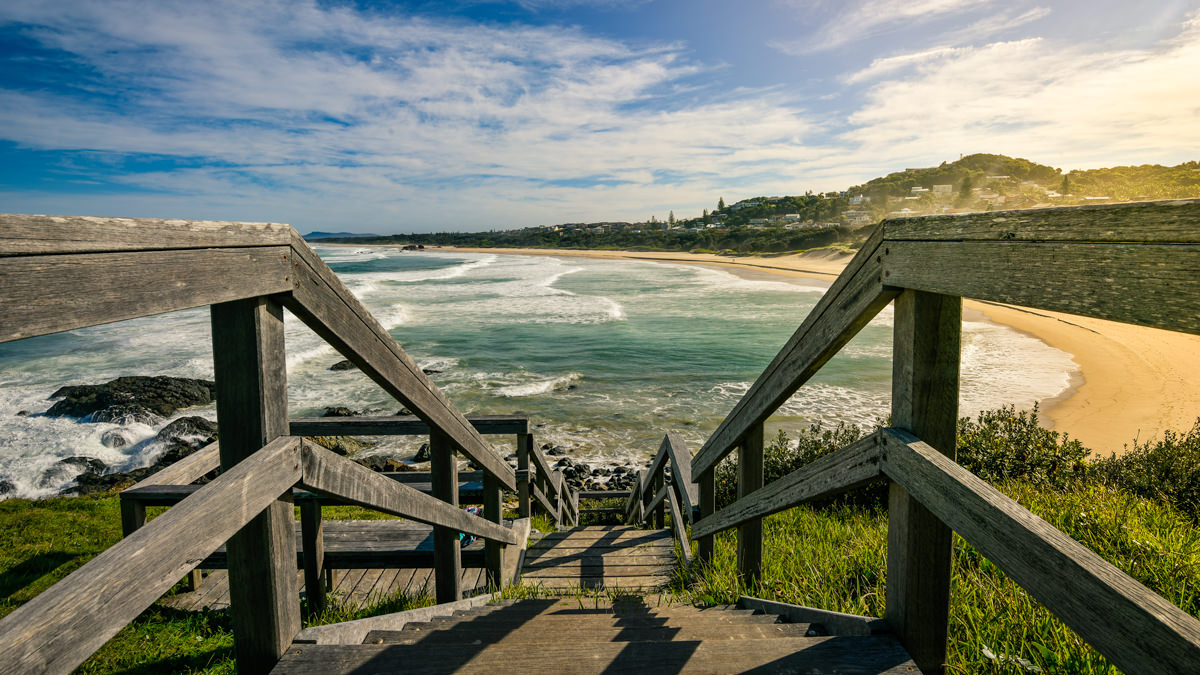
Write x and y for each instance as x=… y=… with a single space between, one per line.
x=835 y=558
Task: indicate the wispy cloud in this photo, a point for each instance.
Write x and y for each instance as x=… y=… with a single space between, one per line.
x=863 y=19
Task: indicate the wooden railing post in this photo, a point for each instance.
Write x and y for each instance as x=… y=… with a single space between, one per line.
x=660 y=520
x=524 y=447
x=925 y=367
x=493 y=551
x=447 y=552
x=312 y=533
x=708 y=506
x=250 y=368
x=750 y=478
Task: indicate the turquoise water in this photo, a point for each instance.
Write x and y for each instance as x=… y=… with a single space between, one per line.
x=607 y=355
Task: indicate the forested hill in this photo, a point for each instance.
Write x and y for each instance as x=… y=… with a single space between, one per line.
x=775 y=224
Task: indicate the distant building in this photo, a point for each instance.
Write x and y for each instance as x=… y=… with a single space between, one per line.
x=857 y=200
x=918 y=190
x=943 y=190
x=857 y=217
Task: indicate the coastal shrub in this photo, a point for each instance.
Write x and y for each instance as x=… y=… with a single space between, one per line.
x=782 y=456
x=1167 y=469
x=1004 y=444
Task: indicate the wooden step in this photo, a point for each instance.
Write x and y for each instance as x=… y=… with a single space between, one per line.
x=814 y=655
x=580 y=633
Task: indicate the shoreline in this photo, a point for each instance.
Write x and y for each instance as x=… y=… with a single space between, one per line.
x=1132 y=382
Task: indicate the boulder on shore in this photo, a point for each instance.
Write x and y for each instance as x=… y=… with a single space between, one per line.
x=132 y=397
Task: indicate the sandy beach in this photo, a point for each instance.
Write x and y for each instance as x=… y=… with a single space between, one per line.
x=1133 y=382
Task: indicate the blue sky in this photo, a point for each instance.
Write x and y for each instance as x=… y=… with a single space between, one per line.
x=472 y=115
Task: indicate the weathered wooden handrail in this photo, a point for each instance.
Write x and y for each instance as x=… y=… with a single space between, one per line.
x=61 y=626
x=653 y=495
x=542 y=484
x=1129 y=624
x=1133 y=263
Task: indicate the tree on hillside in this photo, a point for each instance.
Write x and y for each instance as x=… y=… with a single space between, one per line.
x=707 y=218
x=1065 y=188
x=671 y=218
x=964 y=192
x=721 y=205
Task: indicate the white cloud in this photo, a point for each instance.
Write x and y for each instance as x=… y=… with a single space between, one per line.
x=863 y=19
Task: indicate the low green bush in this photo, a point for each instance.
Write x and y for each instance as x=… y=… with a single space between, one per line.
x=1167 y=469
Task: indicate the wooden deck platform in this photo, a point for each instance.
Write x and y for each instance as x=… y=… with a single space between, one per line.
x=609 y=557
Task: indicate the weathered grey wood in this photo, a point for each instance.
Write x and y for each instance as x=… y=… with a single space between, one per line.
x=25 y=234
x=845 y=469
x=446 y=555
x=524 y=448
x=313 y=545
x=635 y=498
x=685 y=544
x=1148 y=285
x=658 y=508
x=353 y=632
x=493 y=510
x=555 y=485
x=328 y=474
x=404 y=425
x=925 y=365
x=1136 y=629
x=706 y=546
x=541 y=499
x=186 y=470
x=836 y=623
x=323 y=302
x=1161 y=222
x=60 y=627
x=844 y=655
x=250 y=368
x=74 y=291
x=852 y=301
x=681 y=468
x=133 y=516
x=750 y=532
x=656 y=502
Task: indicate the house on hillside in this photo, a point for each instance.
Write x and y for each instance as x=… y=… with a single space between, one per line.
x=943 y=190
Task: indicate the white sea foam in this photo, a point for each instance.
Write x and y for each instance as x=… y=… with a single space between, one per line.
x=542 y=386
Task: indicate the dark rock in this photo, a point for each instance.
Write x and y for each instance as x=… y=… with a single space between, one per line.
x=115 y=438
x=65 y=467
x=422 y=453
x=403 y=411
x=556 y=451
x=546 y=446
x=160 y=395
x=7 y=487
x=343 y=365
x=193 y=429
x=342 y=445
x=431 y=371
x=510 y=458
x=20 y=413
x=565 y=461
x=339 y=411
x=124 y=414
x=572 y=387
x=382 y=464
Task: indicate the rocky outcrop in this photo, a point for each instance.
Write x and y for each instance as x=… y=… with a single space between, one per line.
x=132 y=398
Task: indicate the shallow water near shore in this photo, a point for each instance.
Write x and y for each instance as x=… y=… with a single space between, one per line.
x=607 y=355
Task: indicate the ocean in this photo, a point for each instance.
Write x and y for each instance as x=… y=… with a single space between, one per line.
x=604 y=356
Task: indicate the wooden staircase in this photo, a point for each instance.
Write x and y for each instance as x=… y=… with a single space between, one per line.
x=614 y=557
x=600 y=635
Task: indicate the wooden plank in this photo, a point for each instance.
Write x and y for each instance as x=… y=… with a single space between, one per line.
x=681 y=538
x=24 y=234
x=133 y=516
x=186 y=470
x=681 y=468
x=656 y=501
x=251 y=375
x=1147 y=285
x=836 y=623
x=544 y=501
x=61 y=626
x=524 y=449
x=852 y=301
x=635 y=497
x=313 y=545
x=925 y=364
x=1133 y=627
x=323 y=302
x=493 y=510
x=850 y=655
x=657 y=508
x=447 y=562
x=706 y=545
x=328 y=474
x=403 y=425
x=577 y=569
x=1163 y=222
x=844 y=469
x=49 y=294
x=750 y=532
